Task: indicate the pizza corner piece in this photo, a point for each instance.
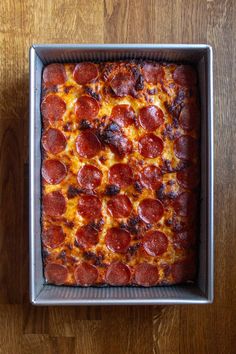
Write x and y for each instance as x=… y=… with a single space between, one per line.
x=120 y=173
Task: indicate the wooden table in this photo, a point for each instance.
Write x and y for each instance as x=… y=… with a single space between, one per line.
x=84 y=330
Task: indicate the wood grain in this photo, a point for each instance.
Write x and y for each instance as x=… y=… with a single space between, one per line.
x=160 y=329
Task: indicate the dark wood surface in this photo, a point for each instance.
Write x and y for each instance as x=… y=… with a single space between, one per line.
x=148 y=329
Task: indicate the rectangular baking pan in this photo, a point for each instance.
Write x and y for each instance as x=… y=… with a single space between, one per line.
x=202 y=290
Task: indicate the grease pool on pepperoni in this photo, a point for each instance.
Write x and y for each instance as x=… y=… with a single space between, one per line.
x=85 y=73
x=123 y=83
x=146 y=274
x=53 y=107
x=89 y=177
x=89 y=207
x=117 y=240
x=186 y=147
x=120 y=175
x=189 y=177
x=119 y=206
x=85 y=274
x=54 y=74
x=150 y=177
x=185 y=75
x=185 y=204
x=53 y=171
x=87 y=144
x=118 y=274
x=185 y=239
x=189 y=117
x=53 y=236
x=53 y=140
x=155 y=243
x=123 y=115
x=150 y=117
x=150 y=146
x=87 y=236
x=54 y=204
x=153 y=73
x=56 y=273
x=150 y=210
x=87 y=108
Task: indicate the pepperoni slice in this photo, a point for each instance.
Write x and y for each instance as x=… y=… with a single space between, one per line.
x=56 y=273
x=54 y=204
x=86 y=108
x=185 y=239
x=117 y=240
x=189 y=177
x=119 y=206
x=186 y=147
x=153 y=73
x=123 y=115
x=120 y=145
x=89 y=207
x=89 y=177
x=146 y=274
x=87 y=144
x=155 y=243
x=85 y=274
x=150 y=118
x=54 y=141
x=150 y=177
x=185 y=75
x=123 y=83
x=53 y=236
x=53 y=171
x=117 y=274
x=185 y=204
x=85 y=73
x=120 y=175
x=189 y=117
x=150 y=146
x=53 y=107
x=87 y=236
x=150 y=210
x=183 y=271
x=54 y=74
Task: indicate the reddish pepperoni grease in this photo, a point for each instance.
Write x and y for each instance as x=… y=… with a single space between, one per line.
x=54 y=204
x=123 y=115
x=85 y=274
x=53 y=140
x=153 y=73
x=117 y=240
x=89 y=207
x=185 y=75
x=123 y=83
x=87 y=144
x=146 y=274
x=150 y=146
x=150 y=210
x=89 y=177
x=53 y=236
x=186 y=147
x=87 y=236
x=120 y=175
x=189 y=177
x=185 y=204
x=119 y=206
x=56 y=273
x=150 y=118
x=184 y=239
x=53 y=171
x=85 y=73
x=150 y=177
x=54 y=74
x=189 y=117
x=53 y=107
x=155 y=243
x=118 y=274
x=86 y=108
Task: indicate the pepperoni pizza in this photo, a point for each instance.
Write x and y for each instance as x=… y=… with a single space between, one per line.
x=120 y=173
